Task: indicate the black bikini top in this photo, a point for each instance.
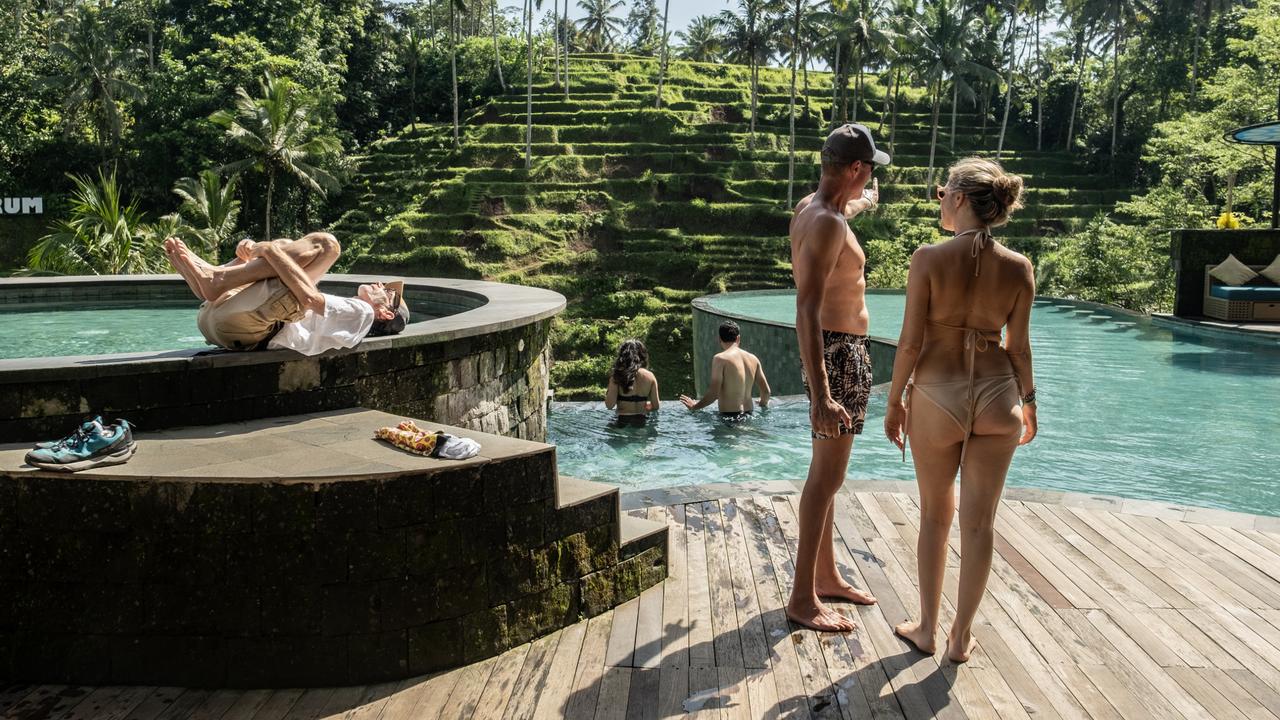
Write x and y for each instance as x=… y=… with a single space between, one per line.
x=632 y=398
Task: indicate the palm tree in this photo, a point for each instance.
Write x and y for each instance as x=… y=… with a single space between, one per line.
x=858 y=29
x=566 y=28
x=701 y=40
x=796 y=17
x=747 y=42
x=96 y=73
x=1012 y=42
x=456 y=7
x=666 y=44
x=277 y=130
x=497 y=53
x=1121 y=14
x=528 y=129
x=945 y=39
x=209 y=209
x=600 y=28
x=101 y=235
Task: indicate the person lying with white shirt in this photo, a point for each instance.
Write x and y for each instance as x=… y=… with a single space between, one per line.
x=267 y=297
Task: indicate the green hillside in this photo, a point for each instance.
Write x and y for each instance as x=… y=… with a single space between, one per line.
x=631 y=212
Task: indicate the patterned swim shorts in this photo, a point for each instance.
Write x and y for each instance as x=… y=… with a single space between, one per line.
x=848 y=366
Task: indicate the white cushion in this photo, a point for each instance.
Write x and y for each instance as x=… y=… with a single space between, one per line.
x=1272 y=271
x=1233 y=272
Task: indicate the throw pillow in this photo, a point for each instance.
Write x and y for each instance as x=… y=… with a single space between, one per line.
x=1233 y=272
x=1272 y=271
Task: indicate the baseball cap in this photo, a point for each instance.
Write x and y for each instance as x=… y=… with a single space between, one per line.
x=851 y=142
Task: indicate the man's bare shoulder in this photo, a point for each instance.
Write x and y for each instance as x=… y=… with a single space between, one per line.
x=805 y=202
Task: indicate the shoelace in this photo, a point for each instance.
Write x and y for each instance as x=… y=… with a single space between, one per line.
x=74 y=438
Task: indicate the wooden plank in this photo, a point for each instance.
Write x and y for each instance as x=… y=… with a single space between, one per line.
x=532 y=678
x=1263 y=561
x=115 y=703
x=970 y=695
x=157 y=702
x=673 y=690
x=1210 y=699
x=675 y=594
x=1086 y=691
x=1235 y=694
x=701 y=632
x=498 y=691
x=703 y=702
x=724 y=615
x=1088 y=592
x=785 y=666
x=47 y=701
x=590 y=671
x=614 y=688
x=12 y=695
x=1247 y=632
x=755 y=648
x=735 y=702
x=466 y=692
x=1002 y=698
x=248 y=704
x=1169 y=597
x=310 y=704
x=1189 y=553
x=1266 y=695
x=648 y=650
x=642 y=692
x=278 y=704
x=1124 y=685
x=1014 y=673
x=763 y=694
x=1087 y=561
x=341 y=701
x=374 y=700
x=1170 y=690
x=820 y=700
x=1205 y=647
x=622 y=636
x=558 y=687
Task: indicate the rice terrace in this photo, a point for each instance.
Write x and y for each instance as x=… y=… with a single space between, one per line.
x=396 y=359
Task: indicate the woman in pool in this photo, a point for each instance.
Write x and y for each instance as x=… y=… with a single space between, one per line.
x=632 y=388
x=971 y=400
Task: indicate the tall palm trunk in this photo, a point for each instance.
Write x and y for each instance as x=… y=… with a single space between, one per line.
x=528 y=129
x=791 y=159
x=755 y=86
x=933 y=137
x=453 y=70
x=804 y=64
x=835 y=84
x=1008 y=93
x=857 y=85
x=884 y=109
x=271 y=188
x=1195 y=54
x=897 y=98
x=662 y=64
x=497 y=53
x=555 y=37
x=1075 y=99
x=1039 y=91
x=986 y=110
x=567 y=39
x=431 y=17
x=955 y=100
x=1115 y=95
x=413 y=78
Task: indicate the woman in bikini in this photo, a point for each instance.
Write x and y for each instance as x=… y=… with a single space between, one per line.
x=970 y=401
x=632 y=388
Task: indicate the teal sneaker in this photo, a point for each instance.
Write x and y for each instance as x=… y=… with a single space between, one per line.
x=74 y=437
x=97 y=446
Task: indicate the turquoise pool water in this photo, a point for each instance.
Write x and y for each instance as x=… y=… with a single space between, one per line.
x=59 y=331
x=1126 y=409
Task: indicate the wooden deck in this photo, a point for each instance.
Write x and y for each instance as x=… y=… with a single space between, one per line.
x=1090 y=613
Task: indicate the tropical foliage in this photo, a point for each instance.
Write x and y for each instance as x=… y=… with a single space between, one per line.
x=102 y=235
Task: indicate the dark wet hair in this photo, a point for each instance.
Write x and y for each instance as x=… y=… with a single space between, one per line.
x=729 y=331
x=632 y=355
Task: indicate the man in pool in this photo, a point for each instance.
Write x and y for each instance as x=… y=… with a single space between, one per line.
x=831 y=324
x=734 y=374
x=267 y=297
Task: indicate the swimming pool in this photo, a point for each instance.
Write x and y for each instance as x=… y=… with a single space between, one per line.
x=54 y=331
x=1126 y=409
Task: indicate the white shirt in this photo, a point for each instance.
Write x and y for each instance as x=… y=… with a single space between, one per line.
x=344 y=324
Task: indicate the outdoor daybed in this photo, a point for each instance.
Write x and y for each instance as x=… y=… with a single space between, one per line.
x=1258 y=299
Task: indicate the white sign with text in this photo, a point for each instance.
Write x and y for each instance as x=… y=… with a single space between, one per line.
x=22 y=206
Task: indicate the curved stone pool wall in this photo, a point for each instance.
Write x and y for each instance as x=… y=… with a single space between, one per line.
x=481 y=363
x=773 y=342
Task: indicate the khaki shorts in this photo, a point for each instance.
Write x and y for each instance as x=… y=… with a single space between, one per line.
x=251 y=316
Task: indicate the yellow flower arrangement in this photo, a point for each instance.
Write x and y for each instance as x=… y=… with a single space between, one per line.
x=1228 y=221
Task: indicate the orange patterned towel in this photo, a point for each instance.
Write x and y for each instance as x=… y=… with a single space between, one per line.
x=408 y=436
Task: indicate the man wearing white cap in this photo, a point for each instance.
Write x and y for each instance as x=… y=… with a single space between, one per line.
x=831 y=324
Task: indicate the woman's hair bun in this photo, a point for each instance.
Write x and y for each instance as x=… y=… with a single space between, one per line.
x=1007 y=190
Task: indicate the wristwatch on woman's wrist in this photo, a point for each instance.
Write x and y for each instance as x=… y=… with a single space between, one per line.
x=1029 y=398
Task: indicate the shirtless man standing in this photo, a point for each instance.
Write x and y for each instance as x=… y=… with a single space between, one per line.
x=831 y=322
x=734 y=373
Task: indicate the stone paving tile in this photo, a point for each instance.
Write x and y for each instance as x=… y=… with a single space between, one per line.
x=157 y=457
x=304 y=460
x=1222 y=518
x=1166 y=511
x=236 y=470
x=259 y=445
x=1093 y=502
